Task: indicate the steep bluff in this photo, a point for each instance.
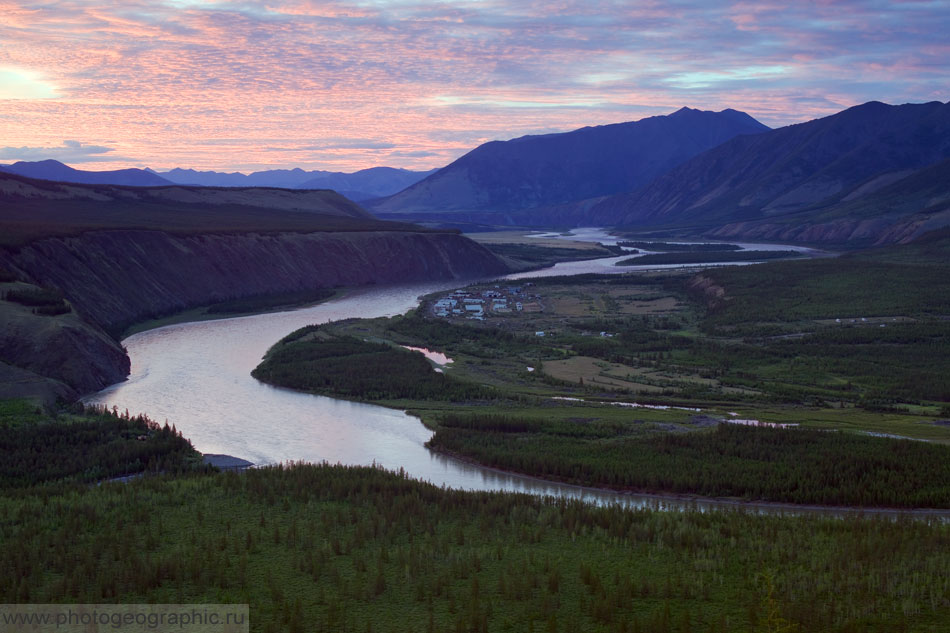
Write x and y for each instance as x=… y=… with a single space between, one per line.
x=47 y=358
x=114 y=278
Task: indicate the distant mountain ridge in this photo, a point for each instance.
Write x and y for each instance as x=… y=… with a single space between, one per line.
x=834 y=172
x=506 y=177
x=58 y=172
x=364 y=184
x=321 y=202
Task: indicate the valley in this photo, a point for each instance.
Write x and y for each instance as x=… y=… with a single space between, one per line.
x=619 y=362
x=663 y=428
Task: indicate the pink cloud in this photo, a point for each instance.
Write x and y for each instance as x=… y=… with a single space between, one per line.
x=222 y=85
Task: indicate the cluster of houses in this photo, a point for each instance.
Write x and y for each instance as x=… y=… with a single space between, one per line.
x=475 y=304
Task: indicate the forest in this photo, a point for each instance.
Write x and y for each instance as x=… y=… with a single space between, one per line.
x=667 y=247
x=85 y=446
x=703 y=256
x=344 y=548
x=260 y=303
x=348 y=367
x=803 y=466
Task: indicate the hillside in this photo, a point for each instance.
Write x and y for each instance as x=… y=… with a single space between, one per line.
x=505 y=178
x=32 y=209
x=104 y=257
x=830 y=169
x=896 y=213
x=46 y=357
x=115 y=278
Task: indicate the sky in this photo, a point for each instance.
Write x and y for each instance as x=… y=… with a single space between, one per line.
x=348 y=84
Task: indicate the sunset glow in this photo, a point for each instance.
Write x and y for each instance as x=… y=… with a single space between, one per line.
x=344 y=85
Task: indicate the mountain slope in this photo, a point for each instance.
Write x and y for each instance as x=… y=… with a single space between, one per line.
x=896 y=213
x=551 y=169
x=57 y=171
x=809 y=167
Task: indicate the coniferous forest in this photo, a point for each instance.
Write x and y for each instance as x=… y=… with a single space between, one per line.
x=333 y=548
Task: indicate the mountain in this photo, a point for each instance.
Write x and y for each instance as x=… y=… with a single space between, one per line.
x=502 y=177
x=367 y=184
x=865 y=164
x=896 y=213
x=362 y=185
x=57 y=171
x=284 y=178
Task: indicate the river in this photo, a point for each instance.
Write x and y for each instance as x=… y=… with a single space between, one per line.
x=197 y=377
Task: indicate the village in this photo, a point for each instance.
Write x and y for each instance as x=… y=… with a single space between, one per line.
x=476 y=304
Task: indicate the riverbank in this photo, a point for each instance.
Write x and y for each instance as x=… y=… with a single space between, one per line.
x=601 y=340
x=226 y=462
x=669 y=501
x=195 y=315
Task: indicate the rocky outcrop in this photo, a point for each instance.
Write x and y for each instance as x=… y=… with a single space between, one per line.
x=115 y=278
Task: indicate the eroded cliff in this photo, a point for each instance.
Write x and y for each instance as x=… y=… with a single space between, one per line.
x=53 y=357
x=118 y=277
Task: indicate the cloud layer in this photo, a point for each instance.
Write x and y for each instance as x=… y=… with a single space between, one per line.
x=248 y=84
x=70 y=152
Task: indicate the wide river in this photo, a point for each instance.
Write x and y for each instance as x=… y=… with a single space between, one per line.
x=197 y=377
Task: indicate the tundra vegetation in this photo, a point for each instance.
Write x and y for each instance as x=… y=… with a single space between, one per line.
x=789 y=343
x=334 y=548
x=704 y=256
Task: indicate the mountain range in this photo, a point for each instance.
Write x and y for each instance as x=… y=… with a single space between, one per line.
x=358 y=186
x=503 y=178
x=839 y=168
x=362 y=185
x=57 y=171
x=873 y=173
